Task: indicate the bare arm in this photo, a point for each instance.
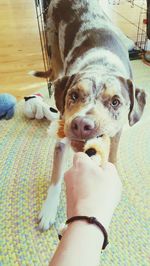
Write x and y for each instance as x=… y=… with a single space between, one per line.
x=80 y=245
x=91 y=191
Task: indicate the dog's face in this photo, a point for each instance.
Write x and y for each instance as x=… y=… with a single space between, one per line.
x=92 y=108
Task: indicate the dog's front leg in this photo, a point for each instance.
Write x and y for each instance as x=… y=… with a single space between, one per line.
x=49 y=209
x=114 y=148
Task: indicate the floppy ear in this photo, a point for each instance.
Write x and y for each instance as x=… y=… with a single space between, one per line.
x=60 y=90
x=137 y=103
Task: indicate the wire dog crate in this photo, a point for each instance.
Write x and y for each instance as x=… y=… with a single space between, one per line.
x=117 y=2
x=41 y=7
x=142 y=27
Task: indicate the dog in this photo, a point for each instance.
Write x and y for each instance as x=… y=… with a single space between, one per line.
x=93 y=84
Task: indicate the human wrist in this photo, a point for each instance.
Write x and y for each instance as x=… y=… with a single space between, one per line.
x=84 y=241
x=102 y=214
x=91 y=221
x=91 y=231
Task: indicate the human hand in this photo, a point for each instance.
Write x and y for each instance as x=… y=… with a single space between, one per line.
x=92 y=190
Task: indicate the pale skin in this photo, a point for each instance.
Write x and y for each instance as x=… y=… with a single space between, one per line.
x=91 y=191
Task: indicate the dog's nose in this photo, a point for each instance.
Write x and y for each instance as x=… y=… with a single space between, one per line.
x=82 y=127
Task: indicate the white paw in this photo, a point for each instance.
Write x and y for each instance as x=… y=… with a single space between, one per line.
x=47 y=216
x=49 y=209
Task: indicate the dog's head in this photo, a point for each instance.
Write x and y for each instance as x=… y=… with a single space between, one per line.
x=95 y=106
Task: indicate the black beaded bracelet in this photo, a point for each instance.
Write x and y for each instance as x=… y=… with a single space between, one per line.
x=90 y=220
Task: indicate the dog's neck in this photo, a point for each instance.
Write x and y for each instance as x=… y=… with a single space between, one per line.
x=98 y=61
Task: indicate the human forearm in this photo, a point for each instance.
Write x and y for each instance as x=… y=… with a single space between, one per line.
x=91 y=191
x=80 y=245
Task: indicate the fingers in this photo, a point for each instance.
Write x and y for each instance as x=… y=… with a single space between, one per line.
x=81 y=164
x=80 y=161
x=80 y=158
x=110 y=167
x=112 y=175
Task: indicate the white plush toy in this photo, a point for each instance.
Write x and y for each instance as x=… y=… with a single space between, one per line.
x=35 y=107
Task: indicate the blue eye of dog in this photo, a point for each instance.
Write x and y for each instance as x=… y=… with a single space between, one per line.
x=74 y=96
x=115 y=102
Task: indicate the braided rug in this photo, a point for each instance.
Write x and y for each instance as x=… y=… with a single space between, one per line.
x=26 y=156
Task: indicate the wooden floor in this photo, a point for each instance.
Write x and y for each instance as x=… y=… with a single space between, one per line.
x=20 y=49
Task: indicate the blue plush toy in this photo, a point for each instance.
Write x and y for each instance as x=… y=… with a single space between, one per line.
x=7 y=105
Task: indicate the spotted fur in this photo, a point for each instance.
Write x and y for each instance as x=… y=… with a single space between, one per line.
x=92 y=79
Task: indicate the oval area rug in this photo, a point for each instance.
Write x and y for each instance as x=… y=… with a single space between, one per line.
x=26 y=155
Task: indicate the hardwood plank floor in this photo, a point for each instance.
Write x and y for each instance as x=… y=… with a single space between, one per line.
x=20 y=49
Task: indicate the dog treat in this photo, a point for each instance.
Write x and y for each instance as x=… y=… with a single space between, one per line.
x=96 y=148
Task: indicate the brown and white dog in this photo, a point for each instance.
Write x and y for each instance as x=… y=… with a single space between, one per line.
x=93 y=83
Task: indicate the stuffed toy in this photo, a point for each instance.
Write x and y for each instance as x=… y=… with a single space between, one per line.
x=97 y=148
x=35 y=107
x=7 y=106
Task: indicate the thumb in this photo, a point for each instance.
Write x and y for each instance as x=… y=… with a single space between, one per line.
x=80 y=158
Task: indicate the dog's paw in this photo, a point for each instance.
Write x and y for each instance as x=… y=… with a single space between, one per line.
x=47 y=216
x=49 y=209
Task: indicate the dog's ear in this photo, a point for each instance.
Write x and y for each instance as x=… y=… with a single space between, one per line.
x=137 y=103
x=137 y=100
x=61 y=86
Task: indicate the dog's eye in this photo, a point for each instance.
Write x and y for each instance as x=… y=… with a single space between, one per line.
x=115 y=102
x=74 y=96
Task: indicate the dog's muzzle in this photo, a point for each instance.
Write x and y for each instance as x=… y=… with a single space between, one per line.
x=83 y=128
